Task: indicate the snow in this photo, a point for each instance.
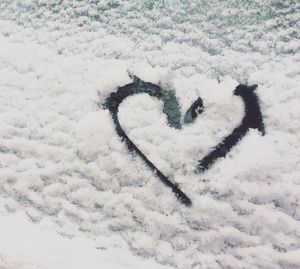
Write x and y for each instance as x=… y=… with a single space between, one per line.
x=71 y=195
x=27 y=245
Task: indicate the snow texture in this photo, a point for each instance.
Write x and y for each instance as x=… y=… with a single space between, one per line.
x=62 y=163
x=38 y=246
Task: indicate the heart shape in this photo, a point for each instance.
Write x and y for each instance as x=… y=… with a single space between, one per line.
x=252 y=119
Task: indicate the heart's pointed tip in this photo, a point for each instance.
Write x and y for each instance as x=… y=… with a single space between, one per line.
x=186 y=201
x=189 y=204
x=181 y=196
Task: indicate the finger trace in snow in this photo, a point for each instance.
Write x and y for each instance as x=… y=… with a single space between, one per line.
x=252 y=119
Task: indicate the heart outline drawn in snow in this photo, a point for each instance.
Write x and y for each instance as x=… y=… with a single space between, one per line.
x=252 y=119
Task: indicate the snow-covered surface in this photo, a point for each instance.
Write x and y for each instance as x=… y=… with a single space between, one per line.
x=62 y=163
x=27 y=245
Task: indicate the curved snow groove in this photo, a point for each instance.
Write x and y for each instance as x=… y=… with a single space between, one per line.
x=252 y=119
x=171 y=108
